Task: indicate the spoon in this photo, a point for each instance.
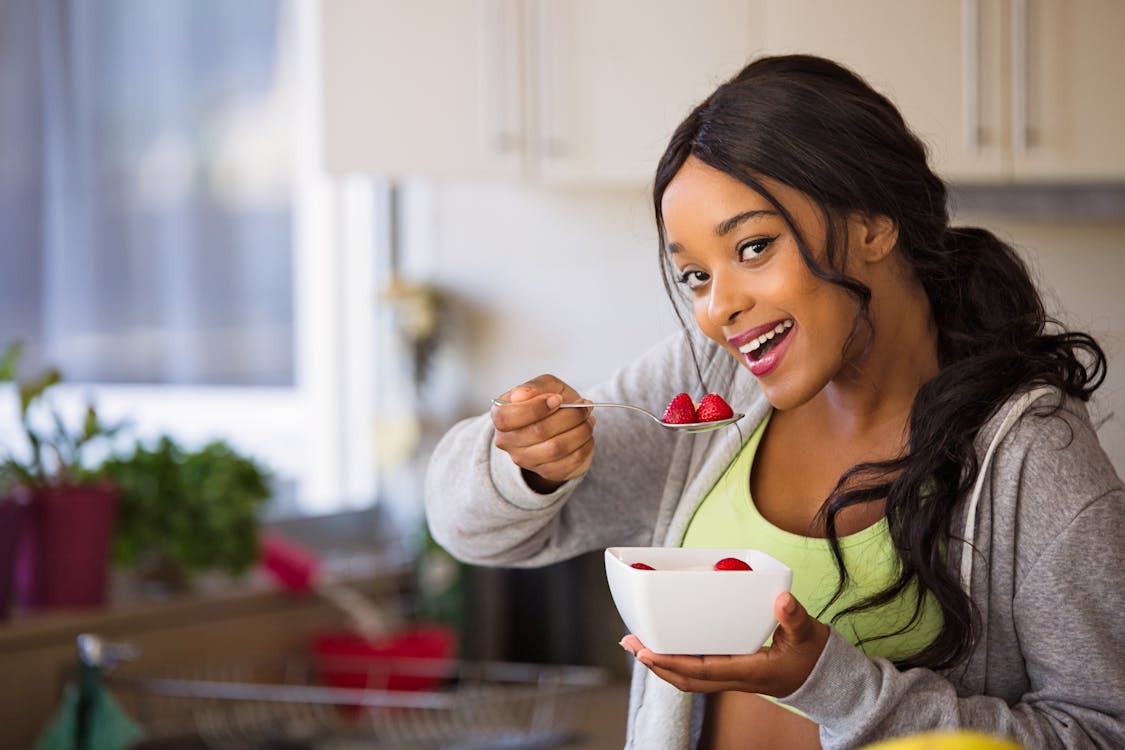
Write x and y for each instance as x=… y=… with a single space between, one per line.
x=686 y=427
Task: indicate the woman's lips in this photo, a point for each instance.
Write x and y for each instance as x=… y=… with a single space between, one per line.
x=762 y=348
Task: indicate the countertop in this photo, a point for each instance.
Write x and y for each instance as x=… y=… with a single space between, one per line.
x=256 y=620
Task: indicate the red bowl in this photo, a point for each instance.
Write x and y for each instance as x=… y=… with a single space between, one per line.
x=418 y=657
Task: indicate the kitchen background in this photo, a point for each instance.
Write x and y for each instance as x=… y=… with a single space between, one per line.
x=324 y=231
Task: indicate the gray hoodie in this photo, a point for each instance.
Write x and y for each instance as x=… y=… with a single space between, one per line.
x=1046 y=567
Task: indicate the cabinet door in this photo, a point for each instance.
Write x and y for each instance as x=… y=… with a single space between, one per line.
x=941 y=63
x=1068 y=94
x=611 y=80
x=432 y=87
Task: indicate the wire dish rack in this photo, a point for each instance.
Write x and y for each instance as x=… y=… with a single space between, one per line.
x=280 y=704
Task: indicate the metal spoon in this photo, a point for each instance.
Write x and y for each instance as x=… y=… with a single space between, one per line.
x=687 y=427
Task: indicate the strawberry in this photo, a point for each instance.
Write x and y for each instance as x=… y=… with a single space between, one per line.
x=713 y=408
x=732 y=563
x=642 y=566
x=681 y=410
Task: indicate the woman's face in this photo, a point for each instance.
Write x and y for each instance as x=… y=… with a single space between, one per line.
x=750 y=289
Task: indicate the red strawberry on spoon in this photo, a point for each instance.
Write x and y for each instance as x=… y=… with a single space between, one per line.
x=713 y=408
x=681 y=410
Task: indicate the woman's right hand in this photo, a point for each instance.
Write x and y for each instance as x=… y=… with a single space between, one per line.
x=550 y=444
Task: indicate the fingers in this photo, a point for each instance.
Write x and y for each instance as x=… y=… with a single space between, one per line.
x=563 y=455
x=524 y=409
x=554 y=444
x=534 y=401
x=685 y=668
x=697 y=674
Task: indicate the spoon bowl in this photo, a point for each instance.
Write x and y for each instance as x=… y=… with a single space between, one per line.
x=693 y=427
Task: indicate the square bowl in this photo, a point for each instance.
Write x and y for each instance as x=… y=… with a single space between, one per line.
x=684 y=606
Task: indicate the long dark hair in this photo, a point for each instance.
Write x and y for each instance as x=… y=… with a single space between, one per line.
x=815 y=126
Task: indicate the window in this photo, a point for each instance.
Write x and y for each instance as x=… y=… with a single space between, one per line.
x=171 y=243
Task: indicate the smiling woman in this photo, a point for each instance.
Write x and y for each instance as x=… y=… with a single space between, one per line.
x=919 y=450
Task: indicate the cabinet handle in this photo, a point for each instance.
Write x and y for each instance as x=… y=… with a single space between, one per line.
x=501 y=136
x=1020 y=82
x=970 y=74
x=552 y=143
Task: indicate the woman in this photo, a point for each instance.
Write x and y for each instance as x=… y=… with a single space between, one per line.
x=916 y=447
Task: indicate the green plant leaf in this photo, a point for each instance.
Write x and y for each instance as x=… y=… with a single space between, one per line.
x=10 y=360
x=34 y=389
x=55 y=456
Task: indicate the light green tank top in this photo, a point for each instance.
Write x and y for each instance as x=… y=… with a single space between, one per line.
x=727 y=517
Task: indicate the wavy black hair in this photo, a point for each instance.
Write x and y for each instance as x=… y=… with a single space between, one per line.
x=814 y=125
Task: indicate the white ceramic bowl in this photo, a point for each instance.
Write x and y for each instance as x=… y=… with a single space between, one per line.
x=686 y=607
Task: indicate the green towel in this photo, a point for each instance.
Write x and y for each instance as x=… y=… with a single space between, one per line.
x=106 y=726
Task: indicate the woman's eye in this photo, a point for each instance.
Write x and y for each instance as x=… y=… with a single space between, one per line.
x=753 y=248
x=693 y=279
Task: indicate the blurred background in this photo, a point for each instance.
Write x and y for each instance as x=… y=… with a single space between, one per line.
x=318 y=233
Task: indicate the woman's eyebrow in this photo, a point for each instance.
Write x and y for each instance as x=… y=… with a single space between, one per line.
x=726 y=226
x=729 y=225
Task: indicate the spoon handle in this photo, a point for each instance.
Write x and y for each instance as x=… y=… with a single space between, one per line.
x=619 y=406
x=646 y=412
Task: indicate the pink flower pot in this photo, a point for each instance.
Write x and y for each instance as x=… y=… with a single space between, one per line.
x=64 y=550
x=12 y=509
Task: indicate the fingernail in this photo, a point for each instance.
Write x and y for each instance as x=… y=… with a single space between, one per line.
x=790 y=604
x=554 y=400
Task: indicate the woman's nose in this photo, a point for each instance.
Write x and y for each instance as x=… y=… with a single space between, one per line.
x=727 y=300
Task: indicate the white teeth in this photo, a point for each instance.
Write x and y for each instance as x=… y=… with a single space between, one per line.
x=755 y=344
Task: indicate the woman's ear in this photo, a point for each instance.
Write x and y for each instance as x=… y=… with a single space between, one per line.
x=877 y=235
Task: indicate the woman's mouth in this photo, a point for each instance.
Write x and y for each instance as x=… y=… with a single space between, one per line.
x=763 y=352
x=757 y=347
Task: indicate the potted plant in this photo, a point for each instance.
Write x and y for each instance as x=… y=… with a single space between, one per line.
x=63 y=553
x=184 y=512
x=12 y=508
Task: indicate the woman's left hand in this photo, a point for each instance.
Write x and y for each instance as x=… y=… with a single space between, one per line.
x=776 y=670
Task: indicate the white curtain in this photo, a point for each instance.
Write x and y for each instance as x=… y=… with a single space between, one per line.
x=145 y=189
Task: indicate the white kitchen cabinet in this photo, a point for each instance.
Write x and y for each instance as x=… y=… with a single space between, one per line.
x=1001 y=90
x=559 y=91
x=1069 y=107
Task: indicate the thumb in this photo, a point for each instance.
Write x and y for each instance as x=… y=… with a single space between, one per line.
x=798 y=642
x=793 y=618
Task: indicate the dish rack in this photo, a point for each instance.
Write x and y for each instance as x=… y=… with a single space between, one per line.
x=280 y=703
